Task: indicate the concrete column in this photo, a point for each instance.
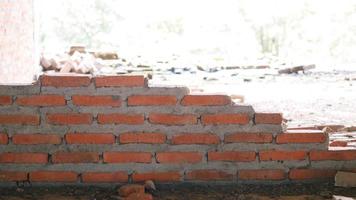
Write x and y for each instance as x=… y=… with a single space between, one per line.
x=17 y=41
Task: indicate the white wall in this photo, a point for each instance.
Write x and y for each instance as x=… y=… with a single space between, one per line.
x=17 y=43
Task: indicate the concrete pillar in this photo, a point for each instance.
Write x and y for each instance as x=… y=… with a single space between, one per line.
x=17 y=41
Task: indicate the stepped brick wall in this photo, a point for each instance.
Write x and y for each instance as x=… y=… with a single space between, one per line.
x=116 y=129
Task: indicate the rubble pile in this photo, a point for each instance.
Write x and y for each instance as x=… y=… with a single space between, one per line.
x=78 y=60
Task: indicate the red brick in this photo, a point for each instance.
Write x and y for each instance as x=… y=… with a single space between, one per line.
x=4 y=138
x=24 y=158
x=127 y=157
x=53 y=176
x=104 y=177
x=157 y=176
x=5 y=100
x=208 y=175
x=249 y=138
x=282 y=155
x=302 y=174
x=240 y=156
x=206 y=100
x=151 y=100
x=9 y=176
x=268 y=118
x=41 y=100
x=172 y=119
x=220 y=119
x=20 y=119
x=36 y=139
x=87 y=100
x=90 y=138
x=145 y=138
x=65 y=80
x=114 y=118
x=126 y=190
x=75 y=157
x=139 y=196
x=333 y=155
x=179 y=157
x=261 y=174
x=301 y=136
x=69 y=118
x=195 y=138
x=338 y=144
x=120 y=81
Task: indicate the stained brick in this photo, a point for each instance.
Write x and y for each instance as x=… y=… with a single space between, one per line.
x=90 y=138
x=268 y=118
x=282 y=155
x=53 y=176
x=240 y=156
x=5 y=100
x=24 y=119
x=261 y=174
x=179 y=157
x=302 y=174
x=36 y=139
x=221 y=119
x=9 y=176
x=24 y=158
x=127 y=157
x=75 y=157
x=119 y=81
x=4 y=138
x=90 y=100
x=105 y=177
x=114 y=118
x=151 y=100
x=171 y=176
x=41 y=100
x=195 y=138
x=145 y=138
x=206 y=100
x=65 y=80
x=172 y=119
x=249 y=138
x=69 y=118
x=208 y=175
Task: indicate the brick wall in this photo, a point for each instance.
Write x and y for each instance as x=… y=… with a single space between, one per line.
x=17 y=43
x=82 y=129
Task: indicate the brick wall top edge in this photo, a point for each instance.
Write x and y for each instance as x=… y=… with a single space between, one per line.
x=19 y=84
x=296 y=131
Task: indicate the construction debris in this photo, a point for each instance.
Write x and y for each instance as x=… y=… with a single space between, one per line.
x=296 y=69
x=129 y=189
x=73 y=49
x=137 y=191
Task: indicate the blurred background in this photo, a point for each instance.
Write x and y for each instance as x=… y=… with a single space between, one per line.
x=208 y=32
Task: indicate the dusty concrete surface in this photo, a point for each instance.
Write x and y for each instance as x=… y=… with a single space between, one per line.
x=191 y=192
x=314 y=98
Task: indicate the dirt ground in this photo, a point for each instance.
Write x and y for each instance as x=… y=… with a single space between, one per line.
x=313 y=98
x=188 y=192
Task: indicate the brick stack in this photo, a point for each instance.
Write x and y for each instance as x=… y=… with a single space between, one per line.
x=82 y=129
